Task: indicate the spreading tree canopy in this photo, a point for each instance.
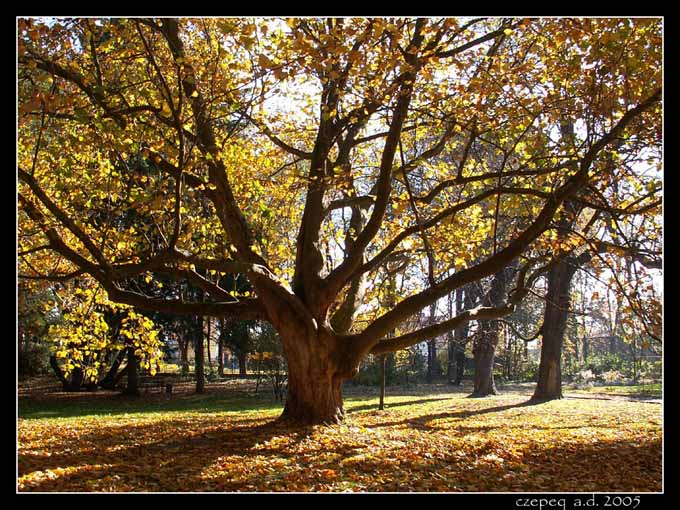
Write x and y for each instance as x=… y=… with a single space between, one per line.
x=317 y=157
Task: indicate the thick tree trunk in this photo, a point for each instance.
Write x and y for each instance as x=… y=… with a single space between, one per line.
x=77 y=379
x=314 y=396
x=199 y=356
x=315 y=378
x=554 y=324
x=132 y=387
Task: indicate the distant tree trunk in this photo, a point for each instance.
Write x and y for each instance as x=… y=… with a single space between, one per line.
x=242 y=354
x=431 y=361
x=184 y=355
x=485 y=348
x=66 y=384
x=554 y=325
x=450 y=358
x=508 y=350
x=457 y=298
x=220 y=356
x=466 y=298
x=431 y=352
x=460 y=367
x=383 y=362
x=120 y=376
x=77 y=379
x=387 y=358
x=208 y=346
x=585 y=349
x=109 y=380
x=199 y=356
x=556 y=313
x=484 y=353
x=242 y=358
x=132 y=387
x=22 y=340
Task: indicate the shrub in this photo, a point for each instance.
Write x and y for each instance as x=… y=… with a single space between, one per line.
x=34 y=359
x=584 y=379
x=530 y=372
x=168 y=368
x=612 y=377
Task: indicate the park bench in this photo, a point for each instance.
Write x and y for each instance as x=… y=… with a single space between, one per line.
x=163 y=382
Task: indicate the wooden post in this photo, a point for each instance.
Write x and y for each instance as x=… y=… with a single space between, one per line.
x=383 y=362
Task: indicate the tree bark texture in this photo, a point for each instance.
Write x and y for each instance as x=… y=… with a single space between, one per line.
x=484 y=360
x=314 y=390
x=315 y=375
x=554 y=324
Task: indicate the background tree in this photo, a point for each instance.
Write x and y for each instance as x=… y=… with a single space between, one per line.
x=484 y=349
x=237 y=337
x=82 y=340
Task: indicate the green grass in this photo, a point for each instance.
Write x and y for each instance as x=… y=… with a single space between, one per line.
x=636 y=390
x=85 y=405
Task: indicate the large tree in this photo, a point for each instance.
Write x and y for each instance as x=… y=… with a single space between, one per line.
x=311 y=155
x=636 y=291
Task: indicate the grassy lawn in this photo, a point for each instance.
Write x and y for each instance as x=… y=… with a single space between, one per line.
x=652 y=390
x=431 y=438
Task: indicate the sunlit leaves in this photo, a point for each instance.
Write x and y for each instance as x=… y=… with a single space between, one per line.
x=111 y=115
x=83 y=338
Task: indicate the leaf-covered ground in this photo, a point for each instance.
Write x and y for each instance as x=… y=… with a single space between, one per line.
x=428 y=439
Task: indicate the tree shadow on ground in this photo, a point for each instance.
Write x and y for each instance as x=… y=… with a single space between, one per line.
x=420 y=421
x=150 y=456
x=389 y=405
x=644 y=399
x=230 y=458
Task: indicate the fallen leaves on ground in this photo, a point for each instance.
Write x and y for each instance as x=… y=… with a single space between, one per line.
x=437 y=442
